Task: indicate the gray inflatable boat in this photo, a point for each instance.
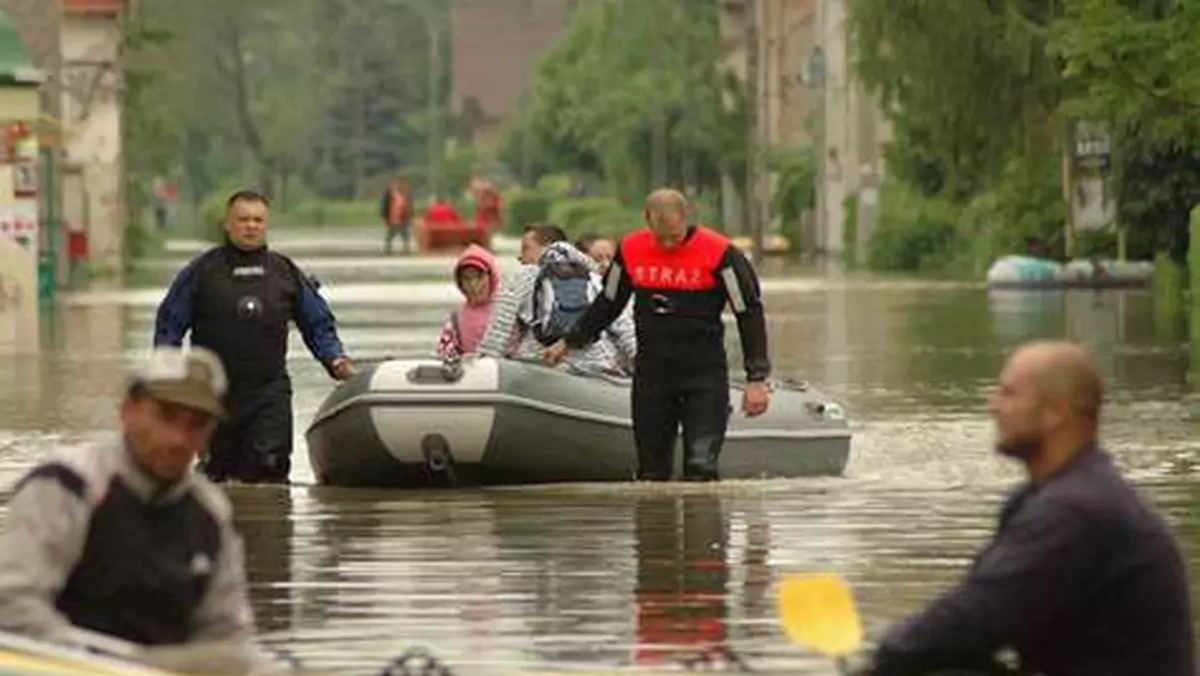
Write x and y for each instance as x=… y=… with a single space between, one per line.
x=414 y=423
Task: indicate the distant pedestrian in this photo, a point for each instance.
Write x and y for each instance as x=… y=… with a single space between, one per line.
x=396 y=209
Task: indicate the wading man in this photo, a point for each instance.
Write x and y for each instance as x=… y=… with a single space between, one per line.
x=681 y=277
x=237 y=300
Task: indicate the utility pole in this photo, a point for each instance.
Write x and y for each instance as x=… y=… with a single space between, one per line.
x=752 y=210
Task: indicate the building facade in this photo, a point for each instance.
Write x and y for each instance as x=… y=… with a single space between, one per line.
x=92 y=170
x=807 y=95
x=496 y=45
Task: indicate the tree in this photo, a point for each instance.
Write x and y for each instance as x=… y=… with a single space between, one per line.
x=332 y=92
x=982 y=92
x=1134 y=62
x=967 y=85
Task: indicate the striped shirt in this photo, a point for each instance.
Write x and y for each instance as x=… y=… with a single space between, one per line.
x=508 y=335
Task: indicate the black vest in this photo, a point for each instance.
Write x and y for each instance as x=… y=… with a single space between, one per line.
x=244 y=301
x=145 y=568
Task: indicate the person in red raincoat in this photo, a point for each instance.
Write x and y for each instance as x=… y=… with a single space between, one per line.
x=487 y=205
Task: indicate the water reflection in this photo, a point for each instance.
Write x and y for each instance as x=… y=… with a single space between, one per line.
x=682 y=574
x=263 y=517
x=1194 y=344
x=621 y=575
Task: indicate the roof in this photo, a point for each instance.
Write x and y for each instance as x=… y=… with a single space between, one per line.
x=93 y=6
x=16 y=65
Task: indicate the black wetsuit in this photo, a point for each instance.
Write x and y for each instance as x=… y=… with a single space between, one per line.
x=238 y=304
x=681 y=373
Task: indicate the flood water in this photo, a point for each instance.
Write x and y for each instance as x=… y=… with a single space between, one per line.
x=504 y=580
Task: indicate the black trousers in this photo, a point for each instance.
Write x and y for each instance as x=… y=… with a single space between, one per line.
x=401 y=229
x=254 y=444
x=664 y=402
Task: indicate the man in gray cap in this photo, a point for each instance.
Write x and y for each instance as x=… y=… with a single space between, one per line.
x=124 y=538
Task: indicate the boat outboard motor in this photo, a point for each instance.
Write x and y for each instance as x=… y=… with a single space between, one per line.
x=439 y=462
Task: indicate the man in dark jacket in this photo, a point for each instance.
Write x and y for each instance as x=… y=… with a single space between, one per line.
x=396 y=210
x=123 y=539
x=1082 y=577
x=237 y=300
x=681 y=278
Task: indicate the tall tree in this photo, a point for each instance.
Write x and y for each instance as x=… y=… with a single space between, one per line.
x=328 y=91
x=632 y=87
x=968 y=84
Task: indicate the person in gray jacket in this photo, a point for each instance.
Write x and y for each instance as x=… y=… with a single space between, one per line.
x=124 y=539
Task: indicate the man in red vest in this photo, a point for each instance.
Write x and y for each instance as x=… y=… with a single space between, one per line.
x=681 y=277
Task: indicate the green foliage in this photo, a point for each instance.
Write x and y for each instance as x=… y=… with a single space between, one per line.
x=914 y=233
x=598 y=92
x=936 y=234
x=980 y=95
x=850 y=229
x=525 y=208
x=1133 y=60
x=211 y=215
x=323 y=212
x=595 y=214
x=1023 y=205
x=967 y=85
x=795 y=190
x=554 y=184
x=280 y=93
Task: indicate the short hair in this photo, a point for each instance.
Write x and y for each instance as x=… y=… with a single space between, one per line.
x=247 y=195
x=586 y=240
x=551 y=233
x=666 y=199
x=547 y=233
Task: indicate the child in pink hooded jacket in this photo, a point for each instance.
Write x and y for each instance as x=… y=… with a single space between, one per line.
x=477 y=276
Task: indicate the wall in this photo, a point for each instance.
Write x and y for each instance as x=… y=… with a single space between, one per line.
x=495 y=47
x=843 y=119
x=19 y=326
x=92 y=124
x=855 y=131
x=37 y=22
x=785 y=102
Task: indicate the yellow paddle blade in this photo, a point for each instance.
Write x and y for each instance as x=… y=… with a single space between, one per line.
x=818 y=611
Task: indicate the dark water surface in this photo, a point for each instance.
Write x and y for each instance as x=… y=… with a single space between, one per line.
x=501 y=580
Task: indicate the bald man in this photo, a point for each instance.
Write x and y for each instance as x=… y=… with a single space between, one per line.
x=681 y=277
x=1081 y=578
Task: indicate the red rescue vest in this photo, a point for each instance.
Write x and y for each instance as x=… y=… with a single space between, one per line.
x=691 y=266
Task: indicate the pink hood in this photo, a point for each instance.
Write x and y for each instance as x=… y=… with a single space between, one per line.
x=473 y=318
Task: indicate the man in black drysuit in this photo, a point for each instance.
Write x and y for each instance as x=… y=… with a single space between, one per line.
x=681 y=278
x=237 y=300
